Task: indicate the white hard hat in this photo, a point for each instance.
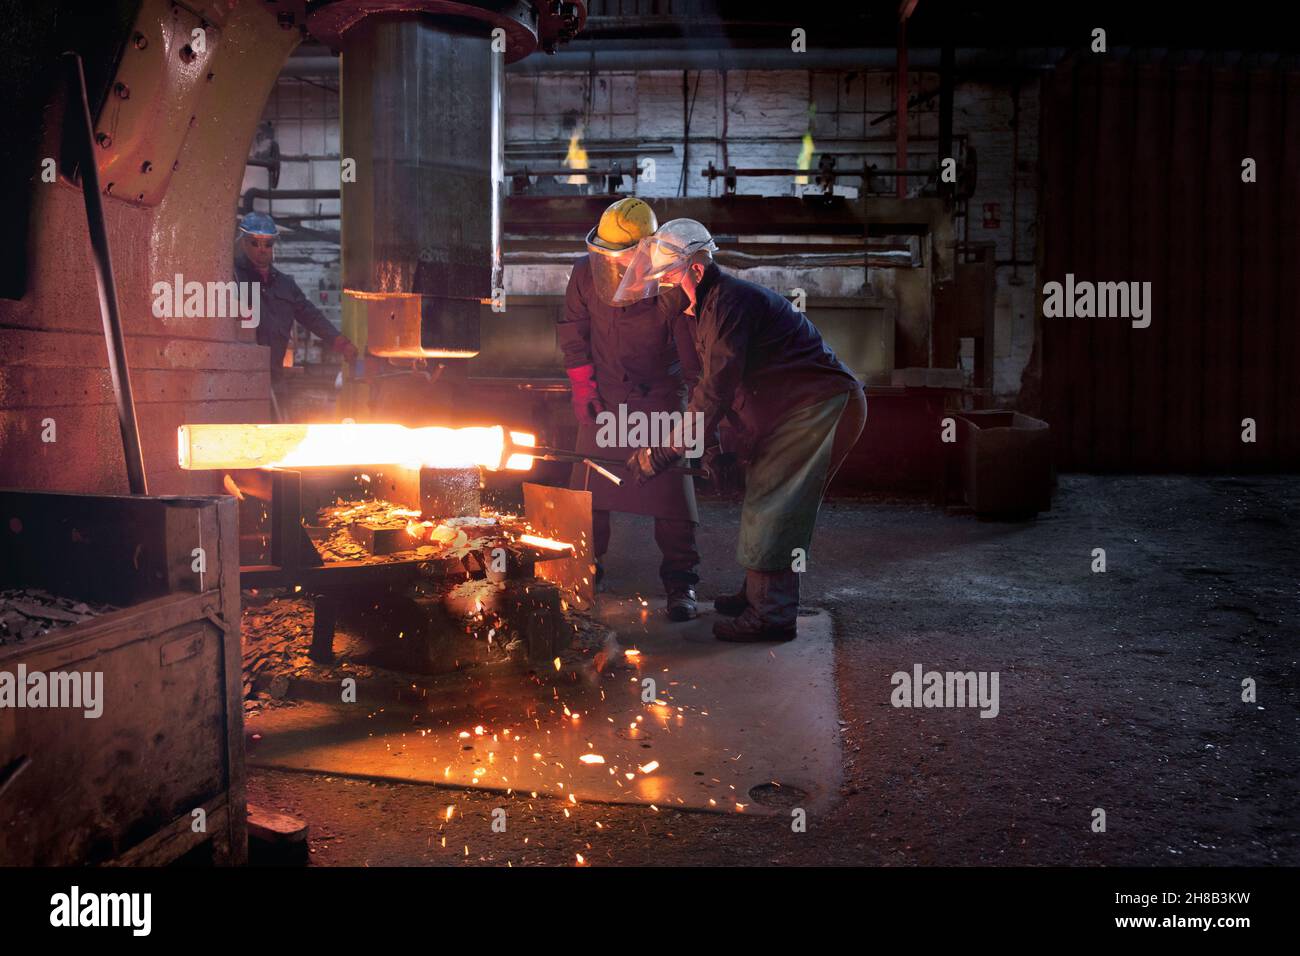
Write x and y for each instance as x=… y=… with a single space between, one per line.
x=662 y=258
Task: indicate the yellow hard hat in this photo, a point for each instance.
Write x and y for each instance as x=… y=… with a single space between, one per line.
x=623 y=225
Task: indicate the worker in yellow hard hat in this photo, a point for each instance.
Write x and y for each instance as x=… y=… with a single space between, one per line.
x=624 y=360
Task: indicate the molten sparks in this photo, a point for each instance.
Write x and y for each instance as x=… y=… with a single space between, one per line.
x=650 y=767
x=592 y=758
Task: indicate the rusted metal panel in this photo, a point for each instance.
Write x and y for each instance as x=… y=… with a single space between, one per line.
x=565 y=516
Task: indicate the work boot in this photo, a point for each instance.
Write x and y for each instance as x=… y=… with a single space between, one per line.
x=731 y=605
x=749 y=628
x=681 y=603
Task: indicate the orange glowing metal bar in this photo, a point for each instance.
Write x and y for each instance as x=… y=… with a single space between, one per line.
x=548 y=543
x=210 y=447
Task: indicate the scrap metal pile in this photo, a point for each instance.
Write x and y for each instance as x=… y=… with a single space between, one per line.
x=381 y=531
x=28 y=613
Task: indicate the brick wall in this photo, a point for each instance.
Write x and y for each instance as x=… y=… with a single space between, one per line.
x=763 y=116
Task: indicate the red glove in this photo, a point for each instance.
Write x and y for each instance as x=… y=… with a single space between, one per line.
x=586 y=399
x=344 y=346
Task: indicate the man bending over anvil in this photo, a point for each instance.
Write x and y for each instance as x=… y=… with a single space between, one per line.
x=767 y=364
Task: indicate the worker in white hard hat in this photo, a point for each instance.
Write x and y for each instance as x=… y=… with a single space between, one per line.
x=766 y=368
x=642 y=357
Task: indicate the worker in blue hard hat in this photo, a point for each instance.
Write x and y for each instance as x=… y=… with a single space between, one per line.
x=282 y=302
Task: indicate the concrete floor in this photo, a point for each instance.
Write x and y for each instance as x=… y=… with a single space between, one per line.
x=1120 y=691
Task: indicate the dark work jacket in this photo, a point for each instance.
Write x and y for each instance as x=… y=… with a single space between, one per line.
x=759 y=358
x=644 y=356
x=638 y=350
x=283 y=303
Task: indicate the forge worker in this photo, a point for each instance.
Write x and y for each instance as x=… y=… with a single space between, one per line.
x=630 y=356
x=766 y=366
x=282 y=302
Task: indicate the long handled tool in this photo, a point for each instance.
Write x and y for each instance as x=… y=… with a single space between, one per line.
x=561 y=454
x=79 y=115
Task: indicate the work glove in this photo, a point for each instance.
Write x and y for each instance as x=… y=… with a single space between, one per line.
x=586 y=399
x=723 y=467
x=344 y=347
x=645 y=463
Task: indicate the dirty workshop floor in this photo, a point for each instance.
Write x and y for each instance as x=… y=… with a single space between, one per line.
x=1119 y=690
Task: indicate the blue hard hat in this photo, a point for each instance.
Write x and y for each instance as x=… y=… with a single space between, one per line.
x=257 y=224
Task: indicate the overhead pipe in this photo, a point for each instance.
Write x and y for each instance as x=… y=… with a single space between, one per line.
x=602 y=59
x=636 y=58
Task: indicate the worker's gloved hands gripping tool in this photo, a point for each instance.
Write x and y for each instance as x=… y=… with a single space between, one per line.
x=645 y=463
x=586 y=399
x=719 y=466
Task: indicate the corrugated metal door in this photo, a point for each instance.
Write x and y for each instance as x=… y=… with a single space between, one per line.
x=1142 y=181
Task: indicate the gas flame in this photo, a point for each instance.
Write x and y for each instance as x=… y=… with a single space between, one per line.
x=805 y=158
x=576 y=157
x=207 y=447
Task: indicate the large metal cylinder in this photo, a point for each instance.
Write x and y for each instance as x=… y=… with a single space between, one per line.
x=421 y=222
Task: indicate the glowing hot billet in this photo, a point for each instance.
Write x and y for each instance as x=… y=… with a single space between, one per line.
x=207 y=447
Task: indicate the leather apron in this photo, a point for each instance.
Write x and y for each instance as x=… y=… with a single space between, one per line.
x=784 y=484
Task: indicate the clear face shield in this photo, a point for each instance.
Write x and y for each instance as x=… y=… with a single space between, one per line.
x=659 y=265
x=608 y=267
